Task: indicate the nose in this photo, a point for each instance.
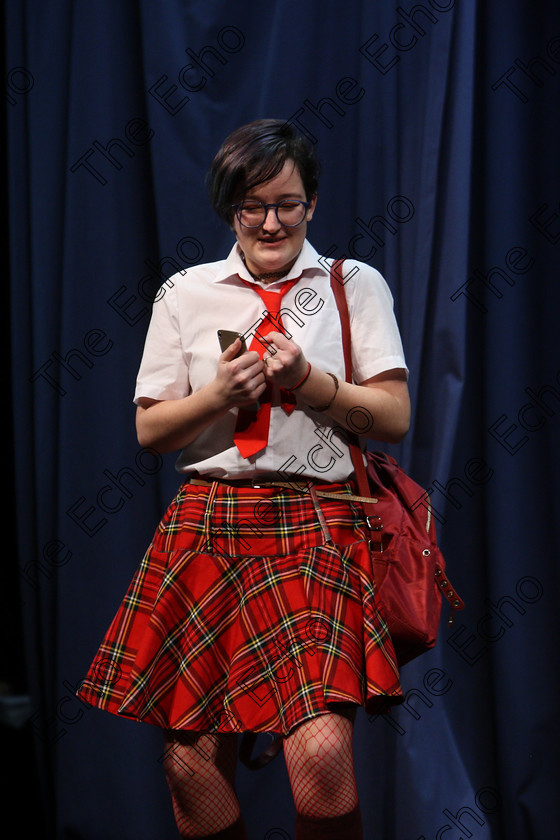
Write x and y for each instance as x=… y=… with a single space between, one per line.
x=271 y=222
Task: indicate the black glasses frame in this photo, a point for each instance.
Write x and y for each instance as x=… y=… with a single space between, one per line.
x=266 y=208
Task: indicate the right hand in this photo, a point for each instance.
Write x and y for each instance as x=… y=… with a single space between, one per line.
x=240 y=381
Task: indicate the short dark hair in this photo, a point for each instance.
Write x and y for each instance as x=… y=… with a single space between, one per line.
x=253 y=154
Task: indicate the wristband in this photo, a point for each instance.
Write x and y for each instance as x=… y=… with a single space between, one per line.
x=301 y=381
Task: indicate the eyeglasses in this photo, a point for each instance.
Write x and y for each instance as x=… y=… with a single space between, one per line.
x=252 y=214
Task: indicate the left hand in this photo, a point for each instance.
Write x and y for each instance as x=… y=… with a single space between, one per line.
x=287 y=365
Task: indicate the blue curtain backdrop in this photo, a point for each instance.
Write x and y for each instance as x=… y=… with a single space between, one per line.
x=437 y=124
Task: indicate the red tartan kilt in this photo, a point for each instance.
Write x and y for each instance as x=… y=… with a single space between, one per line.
x=241 y=617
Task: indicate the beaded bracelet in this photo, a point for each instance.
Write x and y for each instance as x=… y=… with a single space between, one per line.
x=325 y=407
x=301 y=381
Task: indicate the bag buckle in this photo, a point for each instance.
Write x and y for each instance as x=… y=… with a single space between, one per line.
x=371 y=526
x=374 y=523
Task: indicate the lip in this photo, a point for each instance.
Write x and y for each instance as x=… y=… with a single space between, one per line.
x=271 y=242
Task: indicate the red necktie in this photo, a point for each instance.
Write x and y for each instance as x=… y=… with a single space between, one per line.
x=251 y=430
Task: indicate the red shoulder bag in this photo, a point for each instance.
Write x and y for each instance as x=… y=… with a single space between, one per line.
x=408 y=566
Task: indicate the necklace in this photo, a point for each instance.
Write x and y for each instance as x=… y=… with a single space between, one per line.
x=268 y=277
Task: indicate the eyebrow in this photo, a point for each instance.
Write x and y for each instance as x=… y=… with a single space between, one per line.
x=282 y=197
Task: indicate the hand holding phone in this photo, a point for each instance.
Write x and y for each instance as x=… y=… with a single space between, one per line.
x=226 y=339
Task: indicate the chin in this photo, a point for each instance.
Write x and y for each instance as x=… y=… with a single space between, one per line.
x=275 y=258
x=266 y=258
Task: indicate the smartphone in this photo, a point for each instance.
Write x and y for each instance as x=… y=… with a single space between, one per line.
x=227 y=337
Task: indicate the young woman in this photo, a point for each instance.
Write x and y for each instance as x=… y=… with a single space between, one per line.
x=254 y=608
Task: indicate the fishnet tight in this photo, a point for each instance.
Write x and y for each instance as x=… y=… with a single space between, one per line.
x=320 y=766
x=200 y=770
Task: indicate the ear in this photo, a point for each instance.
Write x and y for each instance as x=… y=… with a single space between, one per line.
x=311 y=208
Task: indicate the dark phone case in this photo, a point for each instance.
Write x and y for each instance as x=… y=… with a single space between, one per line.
x=227 y=337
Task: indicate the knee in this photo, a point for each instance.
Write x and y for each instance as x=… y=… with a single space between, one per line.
x=322 y=754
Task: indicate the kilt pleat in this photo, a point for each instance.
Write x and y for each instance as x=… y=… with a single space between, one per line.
x=241 y=617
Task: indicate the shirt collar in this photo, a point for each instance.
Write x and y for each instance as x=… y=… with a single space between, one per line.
x=308 y=263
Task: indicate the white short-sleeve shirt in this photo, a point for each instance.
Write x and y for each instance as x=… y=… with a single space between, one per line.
x=182 y=350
